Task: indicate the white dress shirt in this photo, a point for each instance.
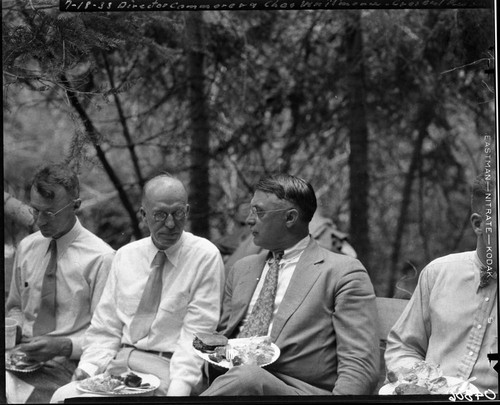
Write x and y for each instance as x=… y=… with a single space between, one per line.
x=286 y=268
x=191 y=297
x=449 y=322
x=83 y=263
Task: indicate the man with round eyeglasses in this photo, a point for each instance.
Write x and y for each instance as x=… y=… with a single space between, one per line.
x=317 y=306
x=59 y=274
x=161 y=290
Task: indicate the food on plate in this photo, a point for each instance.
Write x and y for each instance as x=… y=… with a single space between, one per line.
x=411 y=389
x=101 y=383
x=219 y=354
x=20 y=360
x=257 y=351
x=132 y=380
x=423 y=378
x=208 y=342
x=109 y=383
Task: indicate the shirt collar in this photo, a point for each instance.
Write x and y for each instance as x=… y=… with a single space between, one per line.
x=65 y=240
x=173 y=252
x=294 y=251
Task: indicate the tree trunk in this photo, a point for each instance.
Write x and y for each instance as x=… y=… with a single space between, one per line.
x=123 y=122
x=358 y=141
x=92 y=134
x=199 y=190
x=423 y=120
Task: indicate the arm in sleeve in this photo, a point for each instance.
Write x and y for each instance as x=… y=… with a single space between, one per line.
x=202 y=316
x=227 y=298
x=102 y=268
x=13 y=306
x=355 y=322
x=409 y=337
x=103 y=337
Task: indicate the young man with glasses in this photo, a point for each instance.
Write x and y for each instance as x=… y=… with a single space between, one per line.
x=59 y=274
x=161 y=290
x=317 y=306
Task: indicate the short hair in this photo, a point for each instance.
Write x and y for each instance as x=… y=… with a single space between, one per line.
x=56 y=174
x=482 y=192
x=293 y=189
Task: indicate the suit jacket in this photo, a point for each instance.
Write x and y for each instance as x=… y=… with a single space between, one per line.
x=326 y=325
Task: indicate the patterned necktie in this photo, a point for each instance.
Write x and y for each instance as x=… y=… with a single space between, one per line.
x=151 y=296
x=486 y=276
x=45 y=321
x=262 y=313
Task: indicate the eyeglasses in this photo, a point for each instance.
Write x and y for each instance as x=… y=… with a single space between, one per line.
x=259 y=213
x=49 y=214
x=161 y=216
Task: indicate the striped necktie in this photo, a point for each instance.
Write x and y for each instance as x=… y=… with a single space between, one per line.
x=262 y=313
x=45 y=321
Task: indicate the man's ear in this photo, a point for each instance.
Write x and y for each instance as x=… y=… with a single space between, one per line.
x=77 y=203
x=142 y=211
x=187 y=210
x=476 y=221
x=292 y=216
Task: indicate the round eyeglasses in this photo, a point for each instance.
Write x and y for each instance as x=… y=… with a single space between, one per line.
x=161 y=216
x=259 y=213
x=49 y=214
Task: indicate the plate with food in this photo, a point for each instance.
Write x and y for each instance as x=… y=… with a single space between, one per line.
x=129 y=383
x=227 y=353
x=425 y=379
x=20 y=362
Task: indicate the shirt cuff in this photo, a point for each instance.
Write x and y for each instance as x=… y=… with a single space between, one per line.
x=76 y=351
x=89 y=368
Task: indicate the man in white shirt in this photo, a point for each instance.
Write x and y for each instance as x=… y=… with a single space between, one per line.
x=191 y=279
x=52 y=332
x=451 y=319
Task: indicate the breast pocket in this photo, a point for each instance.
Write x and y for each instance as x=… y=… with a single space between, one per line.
x=127 y=305
x=175 y=304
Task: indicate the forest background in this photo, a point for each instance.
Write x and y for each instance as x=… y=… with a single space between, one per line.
x=386 y=112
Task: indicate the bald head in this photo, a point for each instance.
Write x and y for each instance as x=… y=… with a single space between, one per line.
x=164 y=209
x=164 y=185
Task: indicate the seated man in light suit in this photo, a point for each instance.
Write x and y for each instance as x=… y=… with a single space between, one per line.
x=130 y=332
x=321 y=314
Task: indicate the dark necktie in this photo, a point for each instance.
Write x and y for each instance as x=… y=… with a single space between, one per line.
x=45 y=321
x=151 y=296
x=262 y=313
x=486 y=276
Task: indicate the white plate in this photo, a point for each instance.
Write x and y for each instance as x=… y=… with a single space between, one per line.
x=150 y=379
x=471 y=389
x=238 y=343
x=11 y=367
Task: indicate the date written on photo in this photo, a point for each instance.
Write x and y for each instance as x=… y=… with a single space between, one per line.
x=489 y=394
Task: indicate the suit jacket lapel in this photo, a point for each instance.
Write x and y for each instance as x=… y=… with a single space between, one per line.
x=242 y=293
x=305 y=274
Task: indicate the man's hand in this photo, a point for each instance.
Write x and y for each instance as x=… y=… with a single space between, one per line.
x=79 y=374
x=119 y=364
x=43 y=348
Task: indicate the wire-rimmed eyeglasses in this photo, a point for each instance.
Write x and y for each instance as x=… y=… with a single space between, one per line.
x=49 y=214
x=178 y=214
x=259 y=213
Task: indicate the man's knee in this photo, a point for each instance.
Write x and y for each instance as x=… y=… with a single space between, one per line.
x=251 y=374
x=66 y=391
x=239 y=380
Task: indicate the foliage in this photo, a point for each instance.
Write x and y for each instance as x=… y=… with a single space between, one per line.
x=277 y=90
